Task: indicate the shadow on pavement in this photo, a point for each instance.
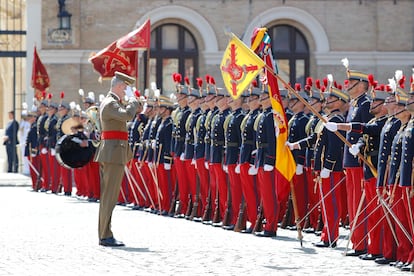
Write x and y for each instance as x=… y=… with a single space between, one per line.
x=132 y=249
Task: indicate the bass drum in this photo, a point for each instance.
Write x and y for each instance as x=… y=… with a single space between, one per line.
x=70 y=154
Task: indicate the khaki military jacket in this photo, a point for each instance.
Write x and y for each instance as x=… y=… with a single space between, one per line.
x=113 y=117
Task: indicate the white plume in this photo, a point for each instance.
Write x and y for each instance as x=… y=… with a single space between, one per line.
x=157 y=93
x=72 y=105
x=146 y=92
x=101 y=97
x=345 y=62
x=392 y=84
x=78 y=108
x=153 y=86
x=398 y=75
x=81 y=92
x=91 y=95
x=24 y=105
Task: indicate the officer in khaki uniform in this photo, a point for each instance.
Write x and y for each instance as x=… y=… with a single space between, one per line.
x=113 y=152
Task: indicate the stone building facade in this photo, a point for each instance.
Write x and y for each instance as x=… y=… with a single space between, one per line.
x=376 y=36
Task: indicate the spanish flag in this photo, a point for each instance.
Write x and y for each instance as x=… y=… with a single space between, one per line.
x=285 y=163
x=239 y=66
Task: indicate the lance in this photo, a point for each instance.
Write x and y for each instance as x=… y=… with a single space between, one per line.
x=322 y=197
x=317 y=114
x=155 y=177
x=127 y=173
x=361 y=202
x=324 y=209
x=145 y=184
x=394 y=216
x=134 y=181
x=296 y=212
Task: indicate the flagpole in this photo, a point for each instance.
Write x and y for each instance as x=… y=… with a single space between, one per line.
x=148 y=68
x=316 y=113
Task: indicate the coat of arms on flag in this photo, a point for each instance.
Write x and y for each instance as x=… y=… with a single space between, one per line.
x=239 y=66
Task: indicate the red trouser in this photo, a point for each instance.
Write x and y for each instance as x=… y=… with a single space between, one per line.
x=203 y=177
x=221 y=187
x=66 y=177
x=166 y=181
x=191 y=176
x=81 y=180
x=143 y=202
x=300 y=186
x=54 y=168
x=94 y=179
x=269 y=195
x=389 y=245
x=403 y=213
x=235 y=191
x=374 y=216
x=312 y=191
x=183 y=185
x=354 y=187
x=35 y=161
x=250 y=192
x=283 y=191
x=331 y=206
x=44 y=160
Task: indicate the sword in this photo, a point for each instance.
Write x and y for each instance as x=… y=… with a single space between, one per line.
x=34 y=169
x=134 y=181
x=145 y=184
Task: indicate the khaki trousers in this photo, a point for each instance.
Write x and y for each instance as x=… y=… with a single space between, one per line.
x=111 y=178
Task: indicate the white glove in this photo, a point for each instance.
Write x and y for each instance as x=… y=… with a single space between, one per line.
x=268 y=168
x=167 y=166
x=331 y=126
x=293 y=146
x=33 y=155
x=206 y=165
x=252 y=170
x=53 y=152
x=128 y=92
x=354 y=149
x=193 y=162
x=150 y=165
x=153 y=144
x=299 y=169
x=254 y=152
x=43 y=151
x=325 y=173
x=237 y=169
x=225 y=169
x=182 y=156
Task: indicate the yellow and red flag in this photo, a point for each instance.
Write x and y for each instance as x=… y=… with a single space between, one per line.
x=239 y=66
x=40 y=78
x=285 y=163
x=111 y=59
x=139 y=39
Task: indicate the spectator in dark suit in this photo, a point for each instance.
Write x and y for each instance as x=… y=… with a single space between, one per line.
x=10 y=141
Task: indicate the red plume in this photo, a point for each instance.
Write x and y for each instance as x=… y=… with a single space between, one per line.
x=43 y=94
x=62 y=94
x=308 y=87
x=323 y=88
x=339 y=87
x=174 y=76
x=187 y=80
x=199 y=82
x=49 y=96
x=254 y=83
x=335 y=84
x=297 y=86
x=401 y=82
x=374 y=84
x=318 y=84
x=382 y=87
x=207 y=79
x=212 y=81
x=309 y=81
x=178 y=77
x=325 y=82
x=137 y=93
x=371 y=79
x=346 y=82
x=388 y=88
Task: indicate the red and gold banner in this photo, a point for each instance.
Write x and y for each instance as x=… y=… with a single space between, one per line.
x=112 y=59
x=139 y=39
x=40 y=78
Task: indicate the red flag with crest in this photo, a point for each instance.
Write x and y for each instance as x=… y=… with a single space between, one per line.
x=40 y=78
x=139 y=39
x=112 y=59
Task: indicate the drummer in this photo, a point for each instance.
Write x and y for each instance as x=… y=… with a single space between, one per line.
x=65 y=173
